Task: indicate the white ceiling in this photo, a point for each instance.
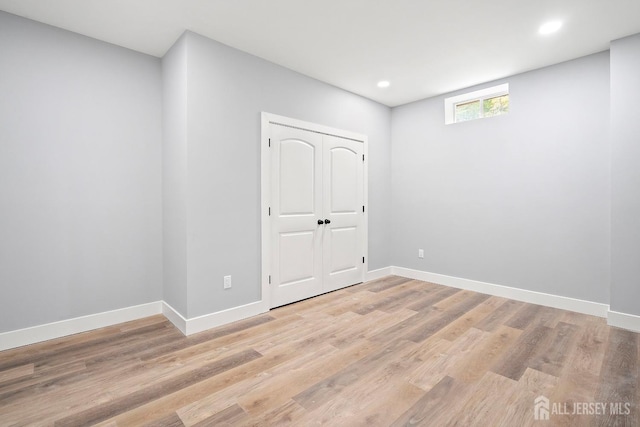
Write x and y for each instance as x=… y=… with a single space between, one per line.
x=423 y=47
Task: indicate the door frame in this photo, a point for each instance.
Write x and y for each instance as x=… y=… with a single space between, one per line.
x=265 y=190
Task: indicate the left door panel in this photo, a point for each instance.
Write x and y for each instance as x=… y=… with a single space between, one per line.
x=296 y=207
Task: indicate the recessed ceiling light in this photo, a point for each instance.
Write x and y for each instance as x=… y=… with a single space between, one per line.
x=383 y=83
x=550 y=27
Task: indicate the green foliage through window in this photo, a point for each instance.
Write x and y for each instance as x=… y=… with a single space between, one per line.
x=478 y=104
x=495 y=106
x=479 y=108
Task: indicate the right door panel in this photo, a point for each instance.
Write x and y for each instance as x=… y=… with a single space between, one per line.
x=343 y=198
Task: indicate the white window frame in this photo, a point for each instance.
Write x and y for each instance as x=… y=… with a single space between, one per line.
x=478 y=95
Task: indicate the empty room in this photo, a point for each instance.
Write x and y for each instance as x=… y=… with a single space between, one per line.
x=346 y=213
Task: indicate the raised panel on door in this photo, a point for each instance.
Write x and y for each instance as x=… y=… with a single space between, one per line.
x=343 y=199
x=296 y=196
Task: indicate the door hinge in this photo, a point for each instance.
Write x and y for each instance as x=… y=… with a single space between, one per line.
x=362 y=208
x=363 y=260
x=269 y=142
x=363 y=157
x=269 y=210
x=269 y=279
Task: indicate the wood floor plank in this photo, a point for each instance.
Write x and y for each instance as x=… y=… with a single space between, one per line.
x=436 y=365
x=389 y=303
x=324 y=390
x=469 y=318
x=617 y=386
x=537 y=383
x=433 y=298
x=171 y=420
x=433 y=402
x=122 y=379
x=18 y=372
x=496 y=318
x=550 y=359
x=288 y=414
x=351 y=302
x=359 y=329
x=394 y=351
x=382 y=284
x=377 y=396
x=206 y=336
x=230 y=416
x=524 y=317
x=493 y=392
x=515 y=362
x=407 y=325
x=84 y=347
x=150 y=393
x=298 y=377
x=355 y=408
x=73 y=385
x=386 y=404
x=446 y=317
x=388 y=298
x=208 y=404
x=311 y=304
x=38 y=351
x=370 y=325
x=168 y=403
x=40 y=377
x=485 y=354
x=310 y=332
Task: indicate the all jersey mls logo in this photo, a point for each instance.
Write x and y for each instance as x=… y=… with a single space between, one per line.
x=543 y=409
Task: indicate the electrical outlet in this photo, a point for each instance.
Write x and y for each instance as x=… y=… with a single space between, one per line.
x=227 y=282
x=420 y=253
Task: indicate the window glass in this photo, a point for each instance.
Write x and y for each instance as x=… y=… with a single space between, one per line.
x=488 y=102
x=495 y=106
x=468 y=111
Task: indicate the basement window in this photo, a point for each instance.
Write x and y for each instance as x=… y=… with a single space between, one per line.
x=489 y=102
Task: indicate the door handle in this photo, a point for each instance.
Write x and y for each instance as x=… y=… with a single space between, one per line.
x=326 y=221
x=320 y=222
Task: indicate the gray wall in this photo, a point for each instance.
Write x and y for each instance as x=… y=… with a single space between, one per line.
x=227 y=91
x=80 y=170
x=174 y=175
x=625 y=177
x=100 y=178
x=519 y=200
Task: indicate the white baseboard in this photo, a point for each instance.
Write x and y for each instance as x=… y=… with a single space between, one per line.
x=549 y=300
x=174 y=317
x=76 y=325
x=630 y=322
x=49 y=331
x=378 y=274
x=219 y=318
x=63 y=328
x=212 y=320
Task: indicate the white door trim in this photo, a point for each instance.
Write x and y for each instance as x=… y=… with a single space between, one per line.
x=265 y=189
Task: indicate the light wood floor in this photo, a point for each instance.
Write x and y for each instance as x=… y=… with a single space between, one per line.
x=389 y=352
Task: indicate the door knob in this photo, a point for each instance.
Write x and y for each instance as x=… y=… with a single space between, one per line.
x=326 y=221
x=320 y=222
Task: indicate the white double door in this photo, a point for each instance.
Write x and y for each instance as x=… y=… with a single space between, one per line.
x=317 y=219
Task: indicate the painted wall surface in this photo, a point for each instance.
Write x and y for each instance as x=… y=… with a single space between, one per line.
x=174 y=176
x=80 y=173
x=125 y=179
x=227 y=91
x=519 y=200
x=625 y=175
